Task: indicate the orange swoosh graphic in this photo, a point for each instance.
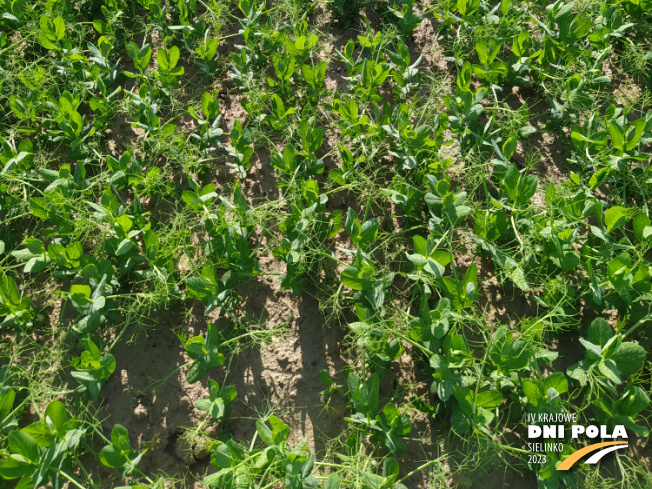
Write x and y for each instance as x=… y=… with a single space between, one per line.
x=571 y=459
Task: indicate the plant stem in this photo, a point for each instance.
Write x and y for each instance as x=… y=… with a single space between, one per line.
x=72 y=480
x=418 y=469
x=640 y=322
x=124 y=328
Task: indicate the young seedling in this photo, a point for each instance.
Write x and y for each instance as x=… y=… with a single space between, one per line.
x=93 y=368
